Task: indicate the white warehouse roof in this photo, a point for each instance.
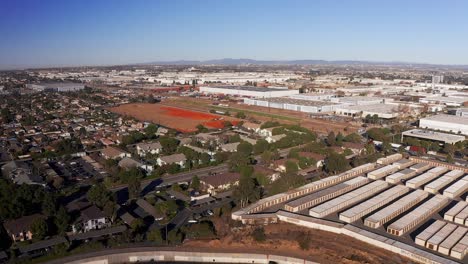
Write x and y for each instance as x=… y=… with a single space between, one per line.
x=432 y=135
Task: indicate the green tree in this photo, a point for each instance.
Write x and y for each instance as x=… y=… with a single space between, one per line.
x=205 y=158
x=259 y=234
x=167 y=208
x=169 y=144
x=99 y=195
x=137 y=226
x=155 y=236
x=195 y=183
x=62 y=220
x=151 y=130
x=245 y=148
x=386 y=147
x=335 y=163
x=134 y=187
x=339 y=139
x=240 y=115
x=353 y=137
x=267 y=157
x=39 y=228
x=7 y=115
x=247 y=190
x=331 y=139
x=49 y=205
x=201 y=128
x=370 y=149
x=303 y=240
x=237 y=160
x=261 y=146
x=449 y=149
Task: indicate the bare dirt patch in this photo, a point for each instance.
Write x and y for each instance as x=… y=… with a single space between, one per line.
x=263 y=114
x=281 y=239
x=183 y=120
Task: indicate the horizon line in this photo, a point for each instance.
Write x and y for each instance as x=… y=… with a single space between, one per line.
x=180 y=63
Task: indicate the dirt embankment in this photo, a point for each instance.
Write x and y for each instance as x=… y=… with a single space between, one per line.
x=282 y=239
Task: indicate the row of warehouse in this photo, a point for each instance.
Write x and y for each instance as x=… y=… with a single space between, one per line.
x=364 y=208
x=347 y=199
x=418 y=175
x=325 y=194
x=301 y=191
x=398 y=196
x=446 y=238
x=458 y=213
x=417 y=216
x=396 y=208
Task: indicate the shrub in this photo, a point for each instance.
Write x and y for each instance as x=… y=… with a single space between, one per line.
x=259 y=234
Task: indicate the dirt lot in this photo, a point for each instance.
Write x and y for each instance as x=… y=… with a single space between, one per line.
x=265 y=114
x=183 y=120
x=324 y=247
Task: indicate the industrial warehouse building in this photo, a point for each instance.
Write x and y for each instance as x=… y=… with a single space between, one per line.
x=249 y=91
x=300 y=105
x=433 y=136
x=449 y=123
x=361 y=100
x=385 y=111
x=56 y=87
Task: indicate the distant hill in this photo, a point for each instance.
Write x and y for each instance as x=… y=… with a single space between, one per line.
x=242 y=61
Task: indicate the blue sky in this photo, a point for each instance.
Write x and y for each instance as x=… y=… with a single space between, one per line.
x=103 y=32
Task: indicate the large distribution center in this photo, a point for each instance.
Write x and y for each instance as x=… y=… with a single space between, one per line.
x=249 y=91
x=449 y=123
x=300 y=105
x=433 y=136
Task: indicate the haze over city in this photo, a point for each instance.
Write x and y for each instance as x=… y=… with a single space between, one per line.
x=61 y=33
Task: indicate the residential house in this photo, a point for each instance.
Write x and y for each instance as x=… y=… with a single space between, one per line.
x=150 y=147
x=280 y=165
x=91 y=218
x=267 y=132
x=275 y=138
x=356 y=148
x=319 y=158
x=220 y=182
x=149 y=209
x=20 y=229
x=251 y=127
x=270 y=174
x=128 y=163
x=185 y=141
x=249 y=140
x=230 y=147
x=114 y=153
x=21 y=172
x=106 y=141
x=206 y=137
x=178 y=159
x=161 y=131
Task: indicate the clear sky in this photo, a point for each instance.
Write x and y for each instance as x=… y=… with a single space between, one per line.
x=102 y=32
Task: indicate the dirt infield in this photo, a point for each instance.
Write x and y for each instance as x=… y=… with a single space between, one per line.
x=182 y=120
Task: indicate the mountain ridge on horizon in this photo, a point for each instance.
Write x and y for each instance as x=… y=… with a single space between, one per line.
x=240 y=61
